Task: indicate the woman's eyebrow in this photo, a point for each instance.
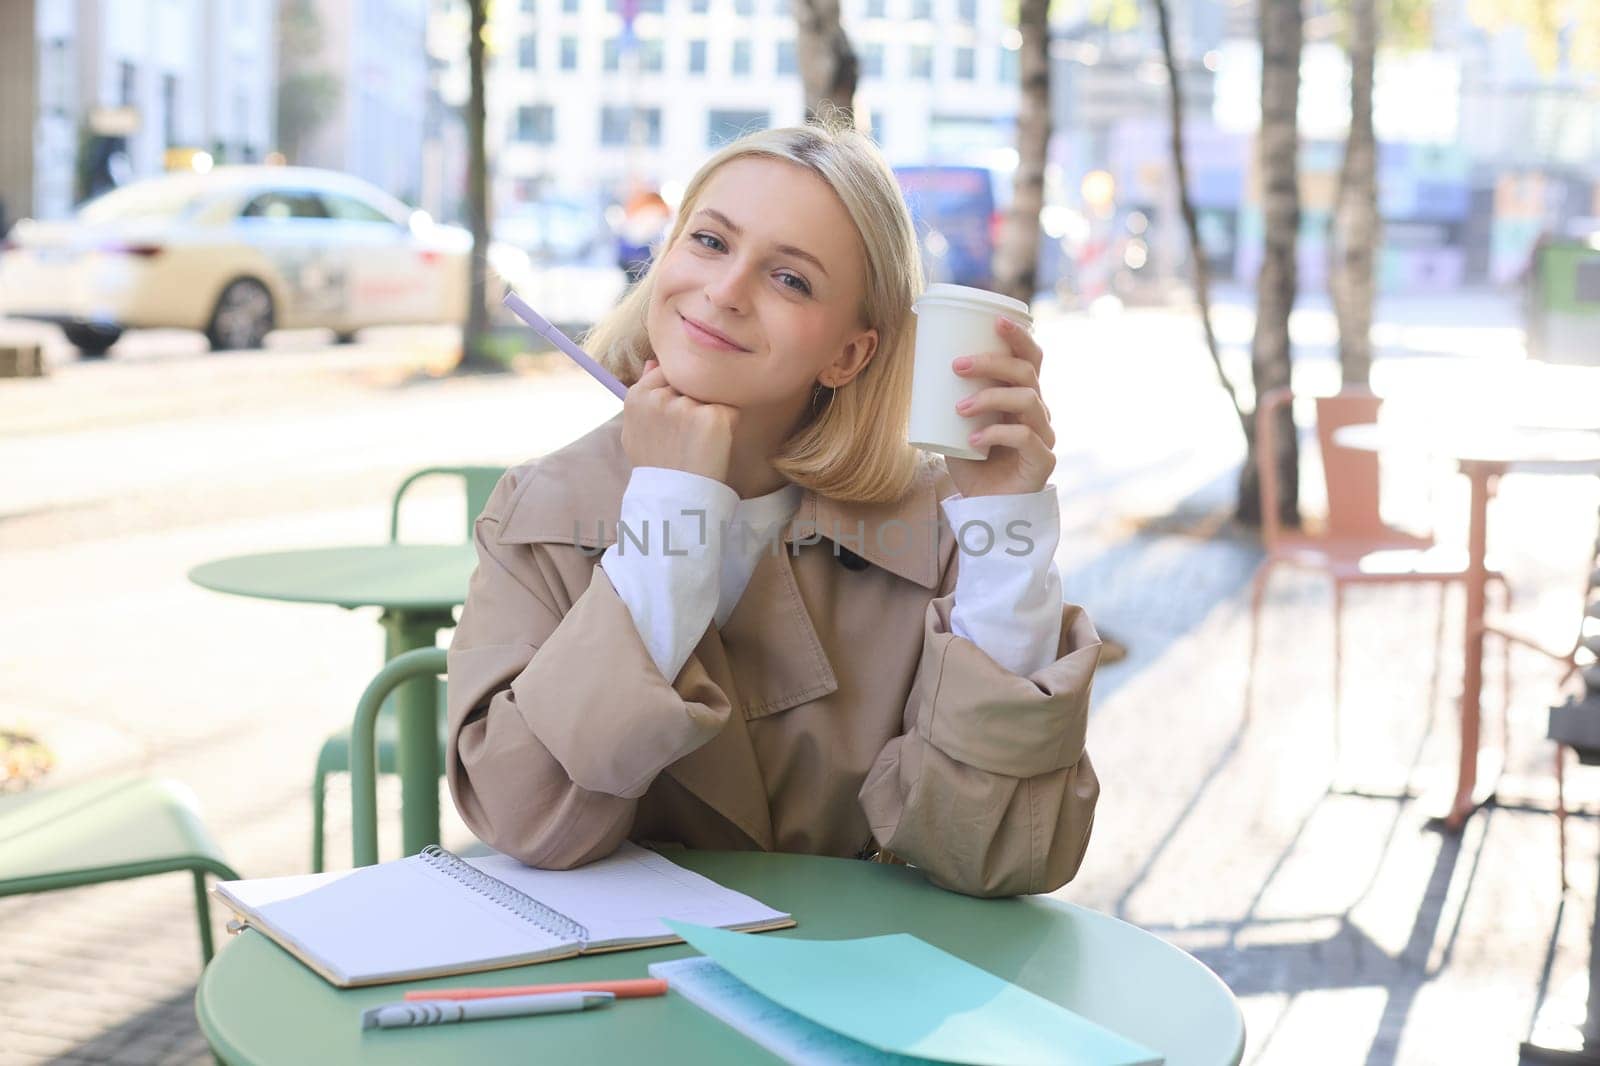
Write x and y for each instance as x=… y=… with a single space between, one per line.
x=786 y=249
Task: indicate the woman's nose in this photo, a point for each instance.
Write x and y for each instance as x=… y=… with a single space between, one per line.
x=728 y=289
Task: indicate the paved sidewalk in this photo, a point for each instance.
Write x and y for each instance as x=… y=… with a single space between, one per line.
x=1351 y=932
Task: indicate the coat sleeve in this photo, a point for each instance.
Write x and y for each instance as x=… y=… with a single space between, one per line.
x=988 y=789
x=558 y=722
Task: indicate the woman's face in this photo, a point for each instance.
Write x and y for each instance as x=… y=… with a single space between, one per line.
x=760 y=297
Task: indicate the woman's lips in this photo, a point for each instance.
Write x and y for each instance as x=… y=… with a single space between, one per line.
x=704 y=337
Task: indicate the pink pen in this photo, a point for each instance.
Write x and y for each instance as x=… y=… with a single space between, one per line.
x=520 y=308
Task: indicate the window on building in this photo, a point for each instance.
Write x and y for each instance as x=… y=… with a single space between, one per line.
x=877 y=127
x=699 y=7
x=744 y=7
x=530 y=6
x=697 y=57
x=723 y=125
x=127 y=84
x=569 y=7
x=966 y=63
x=569 y=53
x=922 y=9
x=612 y=54
x=922 y=61
x=783 y=8
x=877 y=9
x=56 y=81
x=872 y=60
x=967 y=10
x=652 y=55
x=169 y=109
x=741 y=57
x=621 y=126
x=528 y=52
x=788 y=62
x=1010 y=65
x=536 y=124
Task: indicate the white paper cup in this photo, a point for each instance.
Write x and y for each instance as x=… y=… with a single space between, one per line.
x=952 y=321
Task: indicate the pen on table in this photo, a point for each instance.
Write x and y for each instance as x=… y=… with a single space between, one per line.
x=542 y=326
x=631 y=988
x=442 y=1012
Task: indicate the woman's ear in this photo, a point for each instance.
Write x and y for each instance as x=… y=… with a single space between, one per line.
x=852 y=361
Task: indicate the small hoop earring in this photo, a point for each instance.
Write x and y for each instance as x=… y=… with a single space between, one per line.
x=816 y=394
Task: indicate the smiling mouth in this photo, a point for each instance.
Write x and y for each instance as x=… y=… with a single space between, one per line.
x=707 y=337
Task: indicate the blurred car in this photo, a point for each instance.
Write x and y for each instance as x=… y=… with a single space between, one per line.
x=554 y=229
x=237 y=252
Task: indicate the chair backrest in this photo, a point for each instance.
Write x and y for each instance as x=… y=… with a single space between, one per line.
x=479 y=482
x=417 y=663
x=1351 y=476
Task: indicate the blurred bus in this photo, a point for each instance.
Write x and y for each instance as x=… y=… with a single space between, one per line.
x=956 y=210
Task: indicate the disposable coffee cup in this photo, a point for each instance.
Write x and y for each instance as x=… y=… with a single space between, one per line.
x=952 y=321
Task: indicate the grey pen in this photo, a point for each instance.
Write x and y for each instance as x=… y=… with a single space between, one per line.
x=542 y=326
x=443 y=1011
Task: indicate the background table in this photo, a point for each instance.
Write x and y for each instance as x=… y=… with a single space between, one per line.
x=257 y=1003
x=1483 y=456
x=417 y=586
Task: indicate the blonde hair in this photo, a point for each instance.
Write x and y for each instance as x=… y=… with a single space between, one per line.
x=855 y=449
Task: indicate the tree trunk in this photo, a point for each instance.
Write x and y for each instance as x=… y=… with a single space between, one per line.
x=1355 y=231
x=828 y=64
x=1016 y=258
x=476 y=328
x=1277 y=146
x=1197 y=254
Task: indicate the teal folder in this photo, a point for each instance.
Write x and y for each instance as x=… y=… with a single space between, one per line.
x=903 y=995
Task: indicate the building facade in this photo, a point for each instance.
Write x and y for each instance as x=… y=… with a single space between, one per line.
x=376 y=51
x=576 y=107
x=98 y=91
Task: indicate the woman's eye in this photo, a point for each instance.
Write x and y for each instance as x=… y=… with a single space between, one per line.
x=796 y=282
x=710 y=241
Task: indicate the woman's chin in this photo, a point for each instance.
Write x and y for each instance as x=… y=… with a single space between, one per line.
x=689 y=374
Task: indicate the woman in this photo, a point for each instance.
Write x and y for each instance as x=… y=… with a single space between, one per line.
x=737 y=616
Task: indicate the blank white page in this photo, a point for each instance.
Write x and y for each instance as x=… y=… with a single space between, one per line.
x=622 y=897
x=403 y=918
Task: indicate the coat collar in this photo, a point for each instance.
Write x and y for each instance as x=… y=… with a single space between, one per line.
x=574 y=496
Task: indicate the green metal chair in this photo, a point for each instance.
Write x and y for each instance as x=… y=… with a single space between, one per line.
x=110 y=830
x=479 y=482
x=365 y=750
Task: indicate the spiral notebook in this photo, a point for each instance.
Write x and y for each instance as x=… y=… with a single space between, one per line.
x=435 y=914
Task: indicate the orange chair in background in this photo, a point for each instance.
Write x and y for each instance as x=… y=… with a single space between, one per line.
x=1357 y=547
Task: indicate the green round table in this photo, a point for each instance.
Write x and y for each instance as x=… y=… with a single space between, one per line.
x=258 y=1004
x=417 y=586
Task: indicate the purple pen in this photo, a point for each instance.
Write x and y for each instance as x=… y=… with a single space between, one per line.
x=520 y=308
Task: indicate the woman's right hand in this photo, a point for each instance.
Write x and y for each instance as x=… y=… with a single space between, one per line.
x=663 y=427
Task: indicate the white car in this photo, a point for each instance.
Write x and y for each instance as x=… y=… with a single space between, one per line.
x=237 y=252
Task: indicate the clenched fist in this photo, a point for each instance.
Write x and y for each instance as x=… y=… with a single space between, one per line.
x=663 y=427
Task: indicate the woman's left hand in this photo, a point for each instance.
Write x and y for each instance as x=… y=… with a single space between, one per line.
x=1020 y=456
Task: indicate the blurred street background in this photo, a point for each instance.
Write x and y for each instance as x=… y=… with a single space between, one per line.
x=251 y=254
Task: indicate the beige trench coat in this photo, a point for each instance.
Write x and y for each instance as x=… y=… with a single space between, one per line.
x=834 y=714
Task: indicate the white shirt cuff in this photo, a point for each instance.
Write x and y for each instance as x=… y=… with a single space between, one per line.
x=1008 y=590
x=667 y=558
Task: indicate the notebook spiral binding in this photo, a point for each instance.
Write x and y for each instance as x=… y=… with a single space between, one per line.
x=521 y=904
